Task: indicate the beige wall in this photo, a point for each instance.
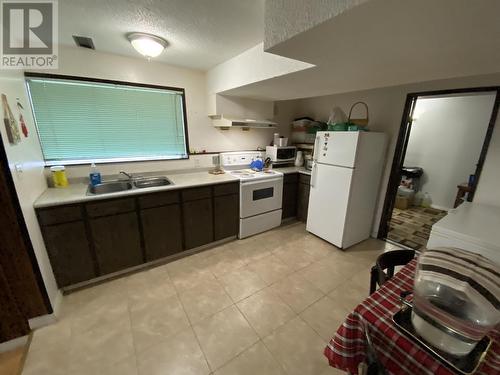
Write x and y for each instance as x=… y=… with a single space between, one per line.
x=386 y=108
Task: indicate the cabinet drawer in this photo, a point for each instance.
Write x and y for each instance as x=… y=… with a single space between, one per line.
x=290 y=178
x=64 y=214
x=226 y=189
x=115 y=206
x=196 y=193
x=304 y=179
x=159 y=199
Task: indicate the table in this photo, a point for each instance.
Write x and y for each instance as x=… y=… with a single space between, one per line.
x=398 y=354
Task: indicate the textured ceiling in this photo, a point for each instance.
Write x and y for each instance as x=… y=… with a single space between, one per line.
x=201 y=33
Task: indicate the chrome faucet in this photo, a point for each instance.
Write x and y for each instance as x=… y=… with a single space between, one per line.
x=129 y=176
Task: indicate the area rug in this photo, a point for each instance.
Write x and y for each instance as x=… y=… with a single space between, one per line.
x=412 y=227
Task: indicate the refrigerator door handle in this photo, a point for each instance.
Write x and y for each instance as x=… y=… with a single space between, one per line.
x=313 y=173
x=316 y=150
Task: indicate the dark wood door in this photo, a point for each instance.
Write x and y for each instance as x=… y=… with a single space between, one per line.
x=69 y=253
x=117 y=242
x=198 y=222
x=23 y=295
x=303 y=201
x=162 y=230
x=226 y=214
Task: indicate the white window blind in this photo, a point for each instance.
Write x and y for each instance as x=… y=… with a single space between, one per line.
x=84 y=121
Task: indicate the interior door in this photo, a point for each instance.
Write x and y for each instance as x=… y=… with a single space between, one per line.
x=328 y=200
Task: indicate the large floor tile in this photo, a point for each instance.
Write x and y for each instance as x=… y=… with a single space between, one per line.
x=325 y=316
x=242 y=283
x=224 y=262
x=56 y=335
x=348 y=295
x=152 y=321
x=51 y=361
x=256 y=360
x=103 y=344
x=270 y=269
x=179 y=355
x=224 y=336
x=298 y=348
x=294 y=256
x=204 y=300
x=323 y=276
x=265 y=311
x=297 y=292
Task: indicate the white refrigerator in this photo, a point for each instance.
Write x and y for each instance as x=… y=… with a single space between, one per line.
x=345 y=181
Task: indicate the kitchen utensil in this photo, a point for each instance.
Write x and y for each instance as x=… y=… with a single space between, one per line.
x=299 y=159
x=267 y=163
x=282 y=141
x=463 y=365
x=10 y=123
x=456 y=299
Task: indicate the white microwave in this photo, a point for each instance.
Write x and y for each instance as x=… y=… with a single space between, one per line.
x=281 y=154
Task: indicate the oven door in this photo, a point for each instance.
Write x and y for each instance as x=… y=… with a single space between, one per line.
x=260 y=196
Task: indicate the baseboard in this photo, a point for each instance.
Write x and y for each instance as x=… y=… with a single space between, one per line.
x=437 y=207
x=45 y=320
x=13 y=344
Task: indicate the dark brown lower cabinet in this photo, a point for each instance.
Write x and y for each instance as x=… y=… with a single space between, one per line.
x=289 y=201
x=303 y=198
x=69 y=253
x=162 y=231
x=227 y=216
x=117 y=242
x=198 y=222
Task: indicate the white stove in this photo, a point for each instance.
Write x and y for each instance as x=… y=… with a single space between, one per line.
x=261 y=192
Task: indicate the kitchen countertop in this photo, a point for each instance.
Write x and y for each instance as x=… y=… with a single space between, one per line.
x=77 y=192
x=288 y=170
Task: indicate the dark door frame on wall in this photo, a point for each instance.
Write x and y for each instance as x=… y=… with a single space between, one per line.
x=402 y=144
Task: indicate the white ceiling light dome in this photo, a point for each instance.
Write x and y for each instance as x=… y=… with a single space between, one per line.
x=146 y=44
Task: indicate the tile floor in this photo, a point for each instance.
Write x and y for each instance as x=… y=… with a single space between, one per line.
x=263 y=305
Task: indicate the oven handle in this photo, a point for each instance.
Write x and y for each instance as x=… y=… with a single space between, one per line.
x=249 y=183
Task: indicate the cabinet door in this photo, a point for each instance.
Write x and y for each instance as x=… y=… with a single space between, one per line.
x=198 y=222
x=303 y=201
x=289 y=200
x=226 y=213
x=117 y=242
x=69 y=253
x=162 y=231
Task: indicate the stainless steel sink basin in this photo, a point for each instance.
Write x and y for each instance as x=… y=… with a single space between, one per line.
x=110 y=187
x=146 y=182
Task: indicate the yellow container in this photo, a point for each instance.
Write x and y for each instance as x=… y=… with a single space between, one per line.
x=59 y=176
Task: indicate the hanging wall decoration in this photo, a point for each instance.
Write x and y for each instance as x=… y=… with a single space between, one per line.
x=20 y=108
x=10 y=123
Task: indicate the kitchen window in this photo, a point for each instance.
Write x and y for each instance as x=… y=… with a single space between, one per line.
x=81 y=120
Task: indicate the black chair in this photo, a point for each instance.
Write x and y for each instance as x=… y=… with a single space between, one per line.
x=388 y=261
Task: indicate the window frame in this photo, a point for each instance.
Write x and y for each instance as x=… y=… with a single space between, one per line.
x=48 y=163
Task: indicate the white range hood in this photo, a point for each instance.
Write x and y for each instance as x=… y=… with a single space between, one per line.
x=220 y=121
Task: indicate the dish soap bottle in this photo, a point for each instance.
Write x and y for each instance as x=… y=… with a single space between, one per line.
x=94 y=176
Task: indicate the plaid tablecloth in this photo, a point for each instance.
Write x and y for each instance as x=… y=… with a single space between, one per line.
x=398 y=354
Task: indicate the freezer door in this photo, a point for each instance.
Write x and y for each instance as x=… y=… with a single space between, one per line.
x=328 y=200
x=336 y=148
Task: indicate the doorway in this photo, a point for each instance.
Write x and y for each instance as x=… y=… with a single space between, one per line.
x=439 y=155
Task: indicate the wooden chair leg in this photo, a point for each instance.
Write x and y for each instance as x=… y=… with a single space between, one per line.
x=373 y=279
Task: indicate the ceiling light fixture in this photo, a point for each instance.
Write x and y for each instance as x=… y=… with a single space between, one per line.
x=146 y=44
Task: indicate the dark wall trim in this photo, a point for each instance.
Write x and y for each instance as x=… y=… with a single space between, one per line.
x=181 y=90
x=404 y=136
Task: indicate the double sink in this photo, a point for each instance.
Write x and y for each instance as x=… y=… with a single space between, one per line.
x=124 y=185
